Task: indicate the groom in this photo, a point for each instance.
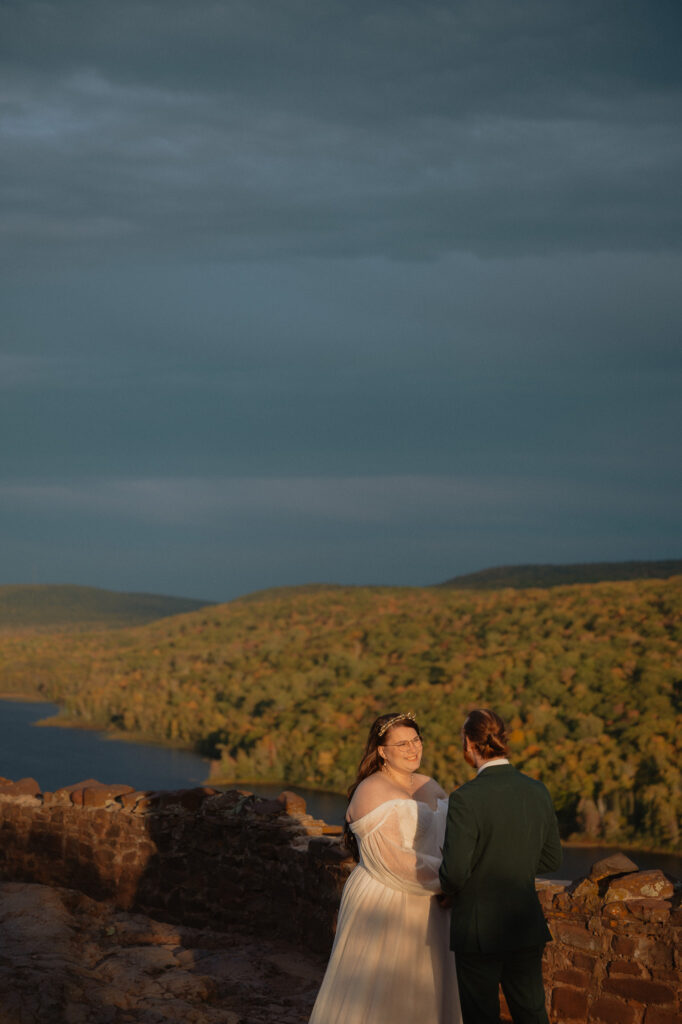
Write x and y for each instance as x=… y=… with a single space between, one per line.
x=501 y=832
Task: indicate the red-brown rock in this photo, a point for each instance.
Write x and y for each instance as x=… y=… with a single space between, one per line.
x=616 y=864
x=569 y=1004
x=641 y=990
x=627 y=967
x=266 y=807
x=585 y=962
x=649 y=911
x=577 y=935
x=73 y=794
x=102 y=794
x=573 y=976
x=608 y=1010
x=292 y=802
x=657 y=1015
x=23 y=787
x=585 y=894
x=130 y=800
x=642 y=884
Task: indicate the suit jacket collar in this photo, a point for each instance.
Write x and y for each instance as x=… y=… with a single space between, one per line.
x=495 y=769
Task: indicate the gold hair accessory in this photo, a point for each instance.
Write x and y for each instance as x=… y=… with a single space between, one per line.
x=396 y=718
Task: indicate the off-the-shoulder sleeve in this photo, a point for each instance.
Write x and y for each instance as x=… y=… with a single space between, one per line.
x=398 y=848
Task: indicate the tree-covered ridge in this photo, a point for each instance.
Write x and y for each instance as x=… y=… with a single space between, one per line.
x=524 y=576
x=66 y=605
x=284 y=688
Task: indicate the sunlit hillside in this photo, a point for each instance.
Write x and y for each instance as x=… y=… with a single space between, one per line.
x=283 y=687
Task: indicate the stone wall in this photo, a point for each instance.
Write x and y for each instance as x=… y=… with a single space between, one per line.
x=198 y=856
x=208 y=858
x=616 y=956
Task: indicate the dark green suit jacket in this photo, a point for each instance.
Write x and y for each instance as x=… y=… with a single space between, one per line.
x=501 y=832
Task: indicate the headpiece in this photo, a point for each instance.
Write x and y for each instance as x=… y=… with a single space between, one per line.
x=396 y=718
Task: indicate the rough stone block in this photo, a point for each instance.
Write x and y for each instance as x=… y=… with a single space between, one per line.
x=584 y=961
x=585 y=894
x=74 y=794
x=266 y=807
x=573 y=976
x=562 y=903
x=129 y=800
x=608 y=1010
x=641 y=990
x=616 y=864
x=634 y=910
x=23 y=787
x=578 y=936
x=657 y=1015
x=99 y=796
x=292 y=802
x=627 y=967
x=623 y=945
x=650 y=884
x=569 y=1004
x=654 y=953
x=668 y=976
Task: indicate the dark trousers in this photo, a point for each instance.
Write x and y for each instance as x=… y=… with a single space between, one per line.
x=480 y=975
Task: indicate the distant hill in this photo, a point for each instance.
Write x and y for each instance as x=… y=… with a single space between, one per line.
x=520 y=577
x=46 y=605
x=294 y=591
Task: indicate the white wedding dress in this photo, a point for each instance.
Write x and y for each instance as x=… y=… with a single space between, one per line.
x=391 y=962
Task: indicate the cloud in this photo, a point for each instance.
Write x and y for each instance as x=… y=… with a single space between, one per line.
x=400 y=131
x=218 y=538
x=324 y=283
x=379 y=501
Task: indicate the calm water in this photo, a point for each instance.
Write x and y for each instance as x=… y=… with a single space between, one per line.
x=59 y=757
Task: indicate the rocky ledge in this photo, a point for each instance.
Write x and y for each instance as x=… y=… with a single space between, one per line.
x=68 y=959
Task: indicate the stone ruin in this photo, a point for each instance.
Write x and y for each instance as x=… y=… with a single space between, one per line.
x=233 y=863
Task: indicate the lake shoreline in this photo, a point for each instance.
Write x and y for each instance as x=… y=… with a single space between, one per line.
x=57 y=721
x=117 y=735
x=26 y=698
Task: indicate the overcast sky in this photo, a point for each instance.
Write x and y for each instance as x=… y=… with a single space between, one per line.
x=337 y=290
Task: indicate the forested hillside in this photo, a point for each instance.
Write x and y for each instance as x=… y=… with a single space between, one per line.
x=53 y=605
x=283 y=687
x=524 y=576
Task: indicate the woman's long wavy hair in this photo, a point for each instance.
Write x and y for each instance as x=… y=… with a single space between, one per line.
x=372 y=761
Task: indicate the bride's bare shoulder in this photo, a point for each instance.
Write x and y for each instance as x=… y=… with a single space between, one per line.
x=428 y=788
x=372 y=791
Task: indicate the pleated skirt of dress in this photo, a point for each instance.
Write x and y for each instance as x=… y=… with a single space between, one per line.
x=391 y=962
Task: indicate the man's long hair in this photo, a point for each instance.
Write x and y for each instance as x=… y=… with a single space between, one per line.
x=487 y=732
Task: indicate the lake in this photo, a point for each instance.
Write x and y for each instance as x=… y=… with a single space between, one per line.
x=58 y=757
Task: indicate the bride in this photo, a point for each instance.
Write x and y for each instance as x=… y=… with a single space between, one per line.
x=391 y=959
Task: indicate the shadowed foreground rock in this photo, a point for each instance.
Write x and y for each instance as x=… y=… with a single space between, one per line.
x=68 y=959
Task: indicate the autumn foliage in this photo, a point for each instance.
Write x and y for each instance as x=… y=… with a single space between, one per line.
x=283 y=687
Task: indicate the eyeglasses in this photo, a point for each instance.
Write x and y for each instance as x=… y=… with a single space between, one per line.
x=404 y=744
